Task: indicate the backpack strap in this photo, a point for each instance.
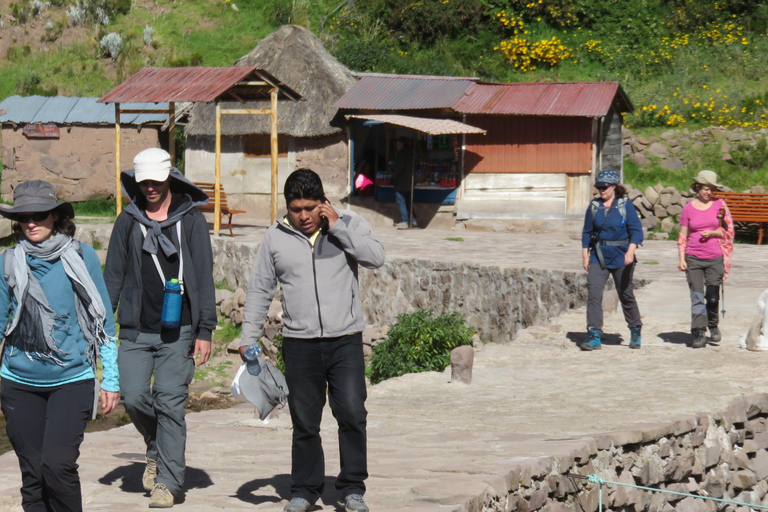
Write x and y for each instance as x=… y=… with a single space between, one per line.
x=7 y=264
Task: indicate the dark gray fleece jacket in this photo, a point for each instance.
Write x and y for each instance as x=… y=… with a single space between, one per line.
x=122 y=271
x=321 y=295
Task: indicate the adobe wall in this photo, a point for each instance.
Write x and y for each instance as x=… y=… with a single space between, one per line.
x=80 y=164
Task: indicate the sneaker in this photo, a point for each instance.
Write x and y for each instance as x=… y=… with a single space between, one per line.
x=161 y=497
x=699 y=341
x=593 y=341
x=634 y=339
x=353 y=503
x=298 y=505
x=402 y=225
x=150 y=473
x=714 y=334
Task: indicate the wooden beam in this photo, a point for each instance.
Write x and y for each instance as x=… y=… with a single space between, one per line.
x=118 y=188
x=217 y=180
x=265 y=111
x=146 y=111
x=172 y=132
x=263 y=84
x=274 y=153
x=238 y=98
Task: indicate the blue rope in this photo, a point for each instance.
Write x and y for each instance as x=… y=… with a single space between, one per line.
x=595 y=479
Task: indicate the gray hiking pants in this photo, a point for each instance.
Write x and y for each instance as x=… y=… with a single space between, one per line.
x=622 y=279
x=157 y=410
x=704 y=279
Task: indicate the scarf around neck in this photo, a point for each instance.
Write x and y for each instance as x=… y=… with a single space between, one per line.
x=33 y=323
x=155 y=235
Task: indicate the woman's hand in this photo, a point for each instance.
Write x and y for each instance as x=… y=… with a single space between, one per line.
x=585 y=259
x=109 y=400
x=682 y=266
x=711 y=234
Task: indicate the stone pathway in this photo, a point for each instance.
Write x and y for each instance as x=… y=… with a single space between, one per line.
x=436 y=445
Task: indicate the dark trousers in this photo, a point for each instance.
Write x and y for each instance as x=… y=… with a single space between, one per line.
x=704 y=278
x=622 y=280
x=157 y=408
x=311 y=367
x=45 y=426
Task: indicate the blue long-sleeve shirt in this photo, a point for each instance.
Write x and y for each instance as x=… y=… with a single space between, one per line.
x=609 y=224
x=37 y=371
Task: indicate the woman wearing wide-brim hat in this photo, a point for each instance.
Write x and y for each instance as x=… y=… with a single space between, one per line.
x=61 y=322
x=705 y=246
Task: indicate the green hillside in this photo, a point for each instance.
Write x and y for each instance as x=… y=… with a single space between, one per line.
x=684 y=63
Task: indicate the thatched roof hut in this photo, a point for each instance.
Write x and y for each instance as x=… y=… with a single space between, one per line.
x=299 y=59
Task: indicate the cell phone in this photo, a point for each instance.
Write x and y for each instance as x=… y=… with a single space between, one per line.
x=323 y=219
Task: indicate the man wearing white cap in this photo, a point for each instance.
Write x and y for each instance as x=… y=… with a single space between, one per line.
x=160 y=247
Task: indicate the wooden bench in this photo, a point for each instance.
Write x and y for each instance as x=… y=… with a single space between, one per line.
x=208 y=188
x=746 y=207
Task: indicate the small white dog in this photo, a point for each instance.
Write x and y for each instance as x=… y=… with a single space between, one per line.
x=757 y=337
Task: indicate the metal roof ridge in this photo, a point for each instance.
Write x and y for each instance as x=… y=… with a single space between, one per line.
x=549 y=83
x=419 y=77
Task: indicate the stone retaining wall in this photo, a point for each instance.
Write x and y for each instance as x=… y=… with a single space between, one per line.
x=722 y=455
x=496 y=301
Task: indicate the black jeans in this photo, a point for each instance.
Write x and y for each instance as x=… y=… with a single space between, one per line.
x=311 y=366
x=45 y=426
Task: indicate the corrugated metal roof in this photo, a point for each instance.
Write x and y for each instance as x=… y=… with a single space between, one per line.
x=73 y=110
x=403 y=92
x=577 y=99
x=196 y=84
x=423 y=124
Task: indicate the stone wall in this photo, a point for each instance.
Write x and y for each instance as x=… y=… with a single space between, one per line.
x=722 y=455
x=496 y=301
x=80 y=163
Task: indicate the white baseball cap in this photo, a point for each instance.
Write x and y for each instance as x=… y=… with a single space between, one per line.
x=152 y=164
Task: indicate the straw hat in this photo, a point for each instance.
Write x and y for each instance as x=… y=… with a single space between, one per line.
x=708 y=178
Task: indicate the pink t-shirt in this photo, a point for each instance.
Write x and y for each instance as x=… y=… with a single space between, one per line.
x=698 y=221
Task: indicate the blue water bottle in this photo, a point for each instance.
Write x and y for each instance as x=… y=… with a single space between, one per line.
x=171 y=316
x=251 y=354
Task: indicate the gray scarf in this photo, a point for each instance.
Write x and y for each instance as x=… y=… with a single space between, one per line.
x=155 y=234
x=33 y=322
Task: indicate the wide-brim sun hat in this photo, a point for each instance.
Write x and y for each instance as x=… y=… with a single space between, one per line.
x=152 y=164
x=35 y=196
x=607 y=178
x=708 y=178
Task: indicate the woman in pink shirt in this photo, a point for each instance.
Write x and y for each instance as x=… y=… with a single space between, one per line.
x=705 y=245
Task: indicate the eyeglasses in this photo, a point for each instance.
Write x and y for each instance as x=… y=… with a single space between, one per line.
x=33 y=217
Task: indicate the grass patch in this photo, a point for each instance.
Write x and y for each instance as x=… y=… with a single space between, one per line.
x=95 y=208
x=223 y=285
x=224 y=336
x=454 y=239
x=651 y=262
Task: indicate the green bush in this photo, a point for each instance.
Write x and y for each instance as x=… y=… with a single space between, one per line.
x=419 y=342
x=750 y=157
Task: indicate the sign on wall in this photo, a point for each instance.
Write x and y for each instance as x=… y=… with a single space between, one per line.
x=41 y=131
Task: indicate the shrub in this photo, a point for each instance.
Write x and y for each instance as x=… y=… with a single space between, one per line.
x=419 y=342
x=29 y=84
x=39 y=6
x=751 y=157
x=148 y=33
x=18 y=52
x=76 y=15
x=111 y=44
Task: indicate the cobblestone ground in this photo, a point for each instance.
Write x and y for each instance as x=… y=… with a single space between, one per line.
x=434 y=445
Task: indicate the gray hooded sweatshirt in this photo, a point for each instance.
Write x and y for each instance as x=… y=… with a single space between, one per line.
x=321 y=295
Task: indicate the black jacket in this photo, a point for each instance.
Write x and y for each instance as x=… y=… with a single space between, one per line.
x=122 y=271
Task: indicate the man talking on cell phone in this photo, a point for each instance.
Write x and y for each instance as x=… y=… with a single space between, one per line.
x=314 y=252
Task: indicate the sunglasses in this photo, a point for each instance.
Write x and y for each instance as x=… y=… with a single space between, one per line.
x=34 y=217
x=150 y=183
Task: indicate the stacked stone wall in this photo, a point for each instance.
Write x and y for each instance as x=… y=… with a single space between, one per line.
x=722 y=455
x=496 y=301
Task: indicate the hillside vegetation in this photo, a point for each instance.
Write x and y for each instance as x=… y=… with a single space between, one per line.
x=684 y=63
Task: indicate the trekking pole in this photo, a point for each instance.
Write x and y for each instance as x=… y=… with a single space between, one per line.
x=722 y=298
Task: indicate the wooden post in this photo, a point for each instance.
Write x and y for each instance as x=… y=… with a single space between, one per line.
x=273 y=144
x=217 y=181
x=172 y=132
x=118 y=188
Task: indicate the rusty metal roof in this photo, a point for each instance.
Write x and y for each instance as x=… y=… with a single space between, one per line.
x=404 y=92
x=576 y=99
x=423 y=124
x=198 y=84
x=73 y=110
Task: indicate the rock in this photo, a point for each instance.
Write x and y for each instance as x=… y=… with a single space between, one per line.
x=650 y=222
x=226 y=307
x=760 y=465
x=658 y=149
x=651 y=195
x=735 y=135
x=626 y=150
x=644 y=140
x=239 y=297
x=673 y=164
x=665 y=199
x=661 y=236
x=237 y=316
x=640 y=159
x=744 y=479
x=757 y=189
x=222 y=294
x=725 y=147
x=669 y=134
x=234 y=345
x=659 y=211
x=668 y=224
x=674 y=209
x=726 y=157
x=462 y=359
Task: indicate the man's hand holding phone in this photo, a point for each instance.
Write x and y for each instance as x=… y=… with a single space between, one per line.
x=328 y=213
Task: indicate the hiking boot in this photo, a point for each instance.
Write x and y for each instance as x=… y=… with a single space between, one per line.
x=298 y=505
x=402 y=225
x=714 y=334
x=634 y=338
x=161 y=497
x=699 y=341
x=150 y=473
x=593 y=341
x=353 y=503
